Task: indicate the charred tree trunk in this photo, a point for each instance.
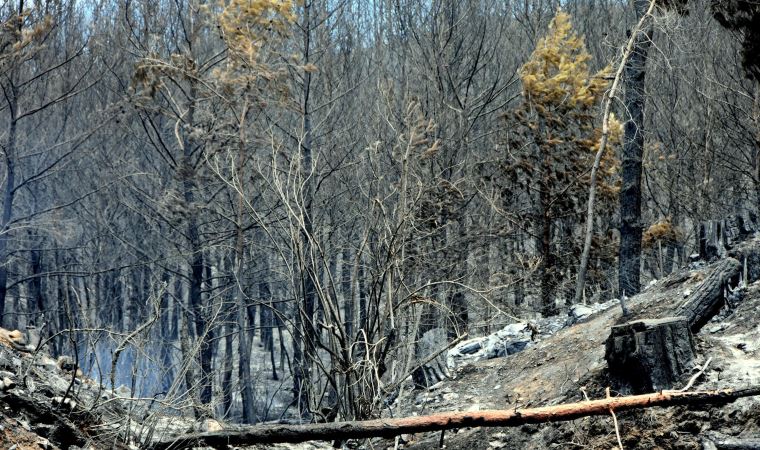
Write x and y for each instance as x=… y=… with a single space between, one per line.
x=8 y=196
x=229 y=355
x=544 y=244
x=184 y=331
x=267 y=315
x=304 y=336
x=460 y=318
x=227 y=373
x=633 y=150
x=718 y=237
x=246 y=315
x=35 y=283
x=428 y=322
x=168 y=334
x=349 y=309
x=196 y=261
x=361 y=278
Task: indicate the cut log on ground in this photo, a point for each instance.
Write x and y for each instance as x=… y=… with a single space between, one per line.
x=649 y=355
x=388 y=428
x=706 y=301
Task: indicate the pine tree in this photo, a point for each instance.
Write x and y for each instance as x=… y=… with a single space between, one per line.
x=552 y=137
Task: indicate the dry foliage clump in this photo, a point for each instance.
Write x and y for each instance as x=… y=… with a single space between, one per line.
x=661 y=231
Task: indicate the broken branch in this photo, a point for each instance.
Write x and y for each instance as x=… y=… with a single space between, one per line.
x=388 y=428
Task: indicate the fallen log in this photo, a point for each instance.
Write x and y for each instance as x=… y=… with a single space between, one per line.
x=708 y=298
x=271 y=434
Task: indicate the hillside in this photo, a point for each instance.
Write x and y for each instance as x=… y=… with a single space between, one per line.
x=565 y=366
x=364 y=222
x=45 y=406
x=558 y=368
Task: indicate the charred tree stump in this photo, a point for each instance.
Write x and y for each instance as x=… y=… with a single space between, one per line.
x=711 y=243
x=710 y=296
x=649 y=355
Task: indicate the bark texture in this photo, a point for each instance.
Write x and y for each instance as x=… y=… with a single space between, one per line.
x=633 y=149
x=710 y=296
x=649 y=355
x=718 y=237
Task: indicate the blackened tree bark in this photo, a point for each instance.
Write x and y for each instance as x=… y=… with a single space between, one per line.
x=168 y=333
x=361 y=279
x=267 y=317
x=742 y=16
x=244 y=310
x=544 y=225
x=35 y=283
x=428 y=322
x=633 y=148
x=229 y=355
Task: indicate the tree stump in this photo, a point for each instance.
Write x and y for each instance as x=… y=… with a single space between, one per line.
x=649 y=355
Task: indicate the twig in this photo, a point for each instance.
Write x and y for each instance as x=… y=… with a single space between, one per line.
x=694 y=377
x=585 y=395
x=614 y=421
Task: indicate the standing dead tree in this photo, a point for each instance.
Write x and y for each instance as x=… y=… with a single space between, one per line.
x=606 y=118
x=634 y=75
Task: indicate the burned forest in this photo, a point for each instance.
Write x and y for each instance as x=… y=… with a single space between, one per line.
x=379 y=224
